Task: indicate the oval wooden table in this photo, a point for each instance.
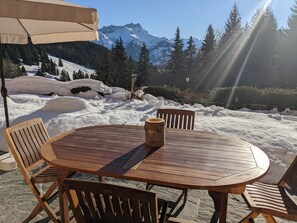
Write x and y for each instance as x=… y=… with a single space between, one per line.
x=190 y=159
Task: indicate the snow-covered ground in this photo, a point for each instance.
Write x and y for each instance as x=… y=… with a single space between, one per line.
x=274 y=133
x=67 y=66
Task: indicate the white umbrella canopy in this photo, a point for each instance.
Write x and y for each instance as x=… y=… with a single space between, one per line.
x=43 y=21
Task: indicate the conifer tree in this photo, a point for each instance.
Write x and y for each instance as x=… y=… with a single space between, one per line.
x=261 y=68
x=105 y=71
x=143 y=66
x=23 y=70
x=10 y=69
x=232 y=26
x=205 y=60
x=40 y=73
x=228 y=65
x=131 y=69
x=121 y=76
x=289 y=65
x=44 y=67
x=60 y=62
x=208 y=44
x=190 y=58
x=25 y=53
x=43 y=54
x=176 y=64
x=64 y=76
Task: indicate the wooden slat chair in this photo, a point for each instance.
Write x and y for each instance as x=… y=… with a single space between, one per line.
x=273 y=200
x=101 y=202
x=177 y=119
x=24 y=141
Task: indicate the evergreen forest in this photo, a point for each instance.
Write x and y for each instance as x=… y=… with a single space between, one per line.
x=257 y=54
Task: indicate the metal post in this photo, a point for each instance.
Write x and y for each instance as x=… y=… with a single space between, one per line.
x=3 y=88
x=133 y=82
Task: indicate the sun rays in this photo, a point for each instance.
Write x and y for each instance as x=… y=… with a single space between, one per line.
x=236 y=51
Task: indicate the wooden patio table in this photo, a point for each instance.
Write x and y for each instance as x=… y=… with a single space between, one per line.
x=190 y=159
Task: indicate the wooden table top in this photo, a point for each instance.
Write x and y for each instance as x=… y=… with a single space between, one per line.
x=189 y=159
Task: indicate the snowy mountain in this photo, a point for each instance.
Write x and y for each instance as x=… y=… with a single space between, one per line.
x=133 y=35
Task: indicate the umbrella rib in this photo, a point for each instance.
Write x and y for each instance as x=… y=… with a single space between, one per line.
x=85 y=26
x=24 y=27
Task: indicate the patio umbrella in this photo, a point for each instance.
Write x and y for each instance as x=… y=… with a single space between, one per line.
x=43 y=21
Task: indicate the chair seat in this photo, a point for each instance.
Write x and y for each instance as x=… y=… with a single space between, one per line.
x=271 y=199
x=45 y=175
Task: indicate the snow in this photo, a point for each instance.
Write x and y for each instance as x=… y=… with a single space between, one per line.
x=43 y=86
x=67 y=66
x=273 y=132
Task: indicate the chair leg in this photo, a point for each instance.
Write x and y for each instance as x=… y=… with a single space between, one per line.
x=38 y=208
x=148 y=186
x=250 y=217
x=186 y=192
x=43 y=202
x=269 y=218
x=101 y=179
x=34 y=212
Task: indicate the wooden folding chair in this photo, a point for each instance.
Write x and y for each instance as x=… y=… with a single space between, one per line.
x=25 y=140
x=177 y=119
x=273 y=200
x=107 y=203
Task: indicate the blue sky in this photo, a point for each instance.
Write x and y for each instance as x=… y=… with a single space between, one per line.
x=161 y=17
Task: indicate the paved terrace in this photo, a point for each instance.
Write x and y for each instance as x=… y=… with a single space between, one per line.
x=17 y=201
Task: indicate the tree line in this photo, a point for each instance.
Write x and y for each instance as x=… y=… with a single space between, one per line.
x=257 y=54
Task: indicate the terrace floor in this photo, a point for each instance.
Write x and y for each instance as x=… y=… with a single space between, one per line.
x=17 y=201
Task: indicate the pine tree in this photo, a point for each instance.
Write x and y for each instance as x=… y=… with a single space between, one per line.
x=80 y=75
x=190 y=58
x=74 y=74
x=57 y=73
x=105 y=71
x=44 y=67
x=60 y=62
x=143 y=66
x=228 y=63
x=232 y=26
x=43 y=54
x=121 y=76
x=176 y=64
x=131 y=66
x=261 y=68
x=64 y=76
x=10 y=69
x=25 y=53
x=208 y=44
x=289 y=65
x=23 y=70
x=35 y=55
x=40 y=73
x=206 y=57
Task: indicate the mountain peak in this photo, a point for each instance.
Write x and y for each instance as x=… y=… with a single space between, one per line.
x=133 y=26
x=133 y=36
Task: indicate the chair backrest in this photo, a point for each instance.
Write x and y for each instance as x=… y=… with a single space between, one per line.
x=101 y=202
x=24 y=141
x=290 y=176
x=178 y=119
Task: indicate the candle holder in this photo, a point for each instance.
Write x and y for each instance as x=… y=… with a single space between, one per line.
x=154 y=132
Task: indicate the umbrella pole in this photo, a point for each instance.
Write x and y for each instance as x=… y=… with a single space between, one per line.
x=3 y=88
